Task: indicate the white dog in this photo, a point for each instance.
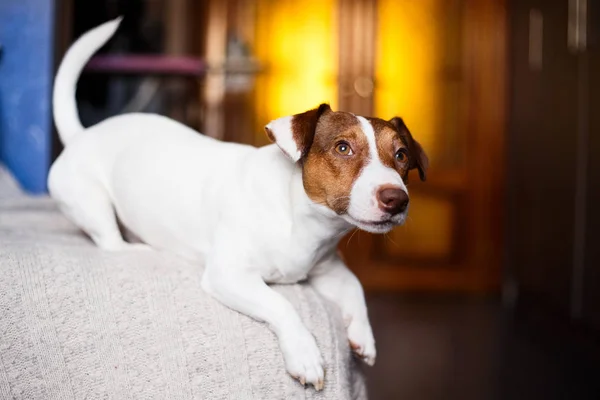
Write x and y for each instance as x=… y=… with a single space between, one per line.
x=254 y=215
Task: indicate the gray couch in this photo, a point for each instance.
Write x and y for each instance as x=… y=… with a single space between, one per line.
x=77 y=322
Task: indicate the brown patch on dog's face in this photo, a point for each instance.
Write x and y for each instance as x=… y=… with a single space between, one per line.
x=417 y=159
x=304 y=127
x=328 y=174
x=294 y=134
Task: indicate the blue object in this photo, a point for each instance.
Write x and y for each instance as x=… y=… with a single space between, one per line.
x=26 y=74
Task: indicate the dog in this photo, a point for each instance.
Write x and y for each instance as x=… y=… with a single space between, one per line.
x=254 y=216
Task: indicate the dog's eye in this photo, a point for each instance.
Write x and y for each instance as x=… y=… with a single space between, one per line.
x=344 y=149
x=401 y=155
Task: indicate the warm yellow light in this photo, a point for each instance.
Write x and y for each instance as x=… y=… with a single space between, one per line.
x=410 y=83
x=408 y=67
x=297 y=43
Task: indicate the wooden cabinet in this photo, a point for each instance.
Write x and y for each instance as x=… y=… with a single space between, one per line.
x=554 y=157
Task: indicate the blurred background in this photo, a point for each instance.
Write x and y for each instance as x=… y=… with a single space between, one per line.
x=492 y=288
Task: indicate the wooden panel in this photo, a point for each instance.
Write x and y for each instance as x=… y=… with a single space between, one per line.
x=590 y=296
x=431 y=236
x=544 y=139
x=229 y=88
x=215 y=55
x=357 y=27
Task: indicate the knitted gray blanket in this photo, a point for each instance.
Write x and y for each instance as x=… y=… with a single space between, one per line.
x=77 y=322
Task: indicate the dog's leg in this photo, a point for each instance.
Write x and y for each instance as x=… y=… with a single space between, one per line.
x=247 y=293
x=336 y=282
x=88 y=205
x=97 y=219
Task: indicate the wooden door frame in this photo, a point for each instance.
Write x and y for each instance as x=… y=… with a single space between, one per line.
x=485 y=67
x=356 y=56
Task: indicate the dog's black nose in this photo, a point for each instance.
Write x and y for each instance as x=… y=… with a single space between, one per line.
x=392 y=200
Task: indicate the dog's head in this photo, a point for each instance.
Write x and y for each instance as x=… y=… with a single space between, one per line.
x=356 y=166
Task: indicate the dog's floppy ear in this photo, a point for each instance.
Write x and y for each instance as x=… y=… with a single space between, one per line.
x=294 y=134
x=416 y=156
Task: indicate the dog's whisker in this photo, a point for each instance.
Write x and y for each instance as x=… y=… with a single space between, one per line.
x=351 y=236
x=388 y=237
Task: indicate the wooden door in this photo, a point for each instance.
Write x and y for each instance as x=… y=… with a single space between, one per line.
x=440 y=65
x=546 y=137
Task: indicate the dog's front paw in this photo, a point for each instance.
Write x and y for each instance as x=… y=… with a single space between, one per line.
x=303 y=359
x=361 y=340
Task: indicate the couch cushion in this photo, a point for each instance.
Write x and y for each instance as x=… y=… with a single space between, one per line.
x=77 y=322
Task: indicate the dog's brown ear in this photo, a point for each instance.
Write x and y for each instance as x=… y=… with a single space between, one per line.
x=416 y=155
x=294 y=134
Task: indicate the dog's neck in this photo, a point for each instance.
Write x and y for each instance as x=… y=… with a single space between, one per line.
x=314 y=225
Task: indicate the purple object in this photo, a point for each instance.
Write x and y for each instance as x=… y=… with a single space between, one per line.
x=148 y=64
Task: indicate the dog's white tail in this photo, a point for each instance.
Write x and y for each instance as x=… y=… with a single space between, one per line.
x=64 y=105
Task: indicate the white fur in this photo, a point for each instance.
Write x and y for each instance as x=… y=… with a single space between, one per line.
x=363 y=210
x=63 y=100
x=281 y=129
x=242 y=210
